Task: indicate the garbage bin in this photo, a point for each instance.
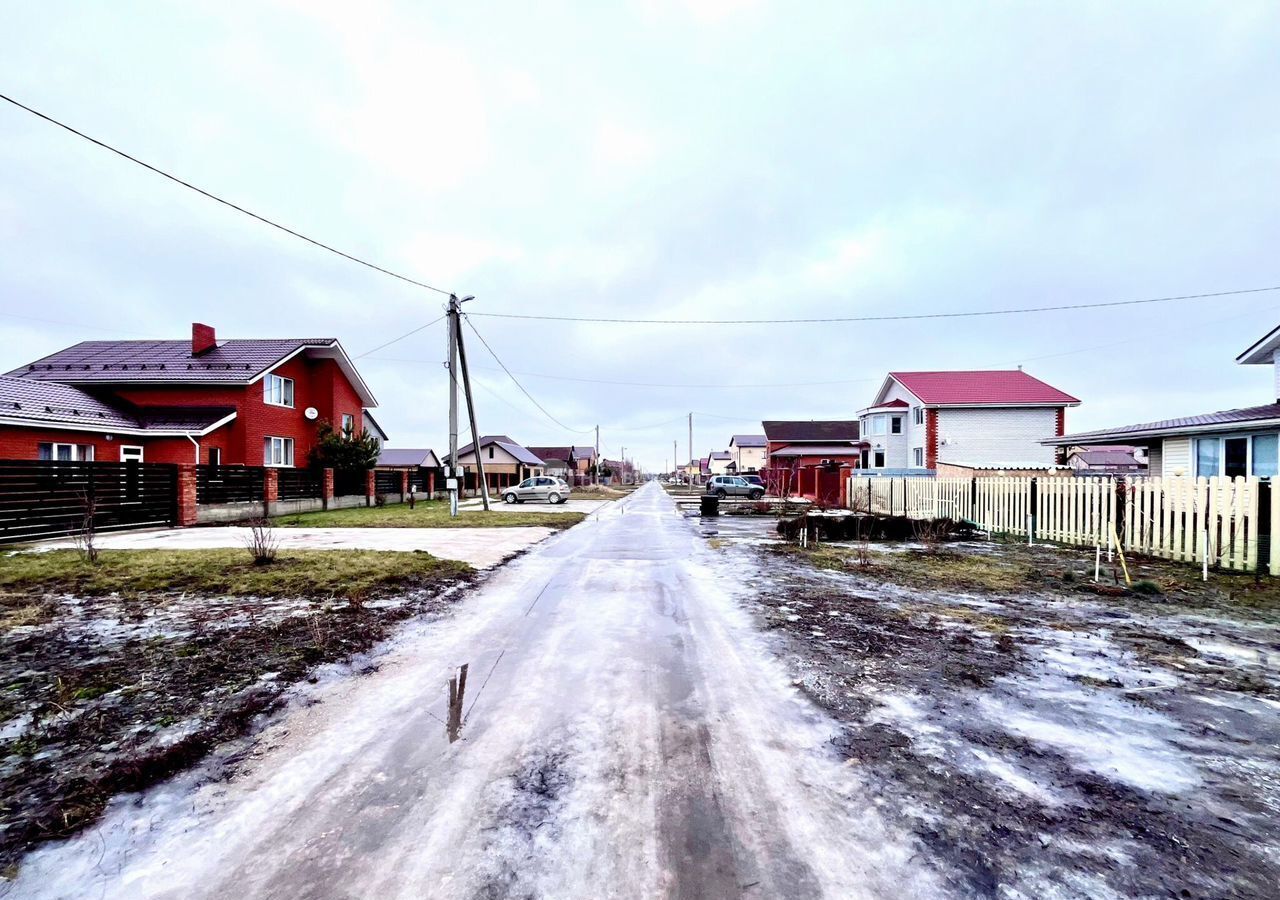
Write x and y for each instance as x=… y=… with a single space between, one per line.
x=710 y=505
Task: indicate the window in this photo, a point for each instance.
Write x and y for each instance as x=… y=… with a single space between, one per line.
x=277 y=391
x=919 y=415
x=1265 y=447
x=67 y=452
x=277 y=451
x=215 y=456
x=130 y=454
x=348 y=424
x=895 y=425
x=919 y=457
x=1208 y=453
x=879 y=460
x=491 y=451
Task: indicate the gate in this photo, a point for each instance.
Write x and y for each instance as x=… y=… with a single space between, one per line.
x=50 y=498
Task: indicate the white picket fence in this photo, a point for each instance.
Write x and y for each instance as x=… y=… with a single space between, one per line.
x=1172 y=518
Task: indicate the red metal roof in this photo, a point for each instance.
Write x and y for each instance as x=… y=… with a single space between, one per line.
x=976 y=388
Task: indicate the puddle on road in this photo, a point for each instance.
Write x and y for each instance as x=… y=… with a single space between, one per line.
x=457 y=690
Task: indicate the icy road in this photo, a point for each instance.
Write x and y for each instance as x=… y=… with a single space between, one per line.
x=622 y=731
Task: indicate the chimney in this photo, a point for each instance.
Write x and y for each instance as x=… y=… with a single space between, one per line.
x=202 y=339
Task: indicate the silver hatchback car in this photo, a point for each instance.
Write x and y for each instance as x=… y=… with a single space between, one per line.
x=553 y=490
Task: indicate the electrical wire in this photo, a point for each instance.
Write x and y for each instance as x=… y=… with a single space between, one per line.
x=402 y=337
x=224 y=202
x=894 y=318
x=517 y=383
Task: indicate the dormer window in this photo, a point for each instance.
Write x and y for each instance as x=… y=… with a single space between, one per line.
x=277 y=391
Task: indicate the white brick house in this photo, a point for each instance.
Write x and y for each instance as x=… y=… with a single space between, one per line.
x=970 y=418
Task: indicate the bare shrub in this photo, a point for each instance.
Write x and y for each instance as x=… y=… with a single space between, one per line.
x=379 y=499
x=929 y=533
x=86 y=534
x=262 y=543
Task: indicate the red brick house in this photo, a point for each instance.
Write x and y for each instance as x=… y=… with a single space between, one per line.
x=812 y=458
x=247 y=402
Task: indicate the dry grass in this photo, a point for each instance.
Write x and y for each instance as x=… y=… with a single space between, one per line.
x=345 y=574
x=426 y=514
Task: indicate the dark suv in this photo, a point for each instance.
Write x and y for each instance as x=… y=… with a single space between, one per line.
x=734 y=486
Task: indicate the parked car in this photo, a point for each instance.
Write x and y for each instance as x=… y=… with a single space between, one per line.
x=734 y=486
x=754 y=479
x=553 y=490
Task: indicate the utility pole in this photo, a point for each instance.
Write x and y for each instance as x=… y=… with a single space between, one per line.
x=471 y=416
x=456 y=350
x=596 y=474
x=692 y=475
x=451 y=477
x=622 y=476
x=675 y=458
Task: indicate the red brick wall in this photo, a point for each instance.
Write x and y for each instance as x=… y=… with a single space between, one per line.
x=1062 y=421
x=931 y=439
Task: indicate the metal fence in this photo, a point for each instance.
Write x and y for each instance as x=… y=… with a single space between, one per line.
x=350 y=482
x=387 y=482
x=229 y=484
x=46 y=498
x=299 y=484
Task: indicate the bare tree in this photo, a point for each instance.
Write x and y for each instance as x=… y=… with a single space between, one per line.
x=86 y=535
x=262 y=543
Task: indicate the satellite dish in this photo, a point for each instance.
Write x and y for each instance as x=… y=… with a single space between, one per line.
x=311 y=412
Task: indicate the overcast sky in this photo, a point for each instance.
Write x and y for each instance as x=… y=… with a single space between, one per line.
x=668 y=158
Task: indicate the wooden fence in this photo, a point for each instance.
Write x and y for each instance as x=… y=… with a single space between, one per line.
x=1226 y=519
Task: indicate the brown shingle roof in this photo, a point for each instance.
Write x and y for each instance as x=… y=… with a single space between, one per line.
x=117 y=362
x=822 y=430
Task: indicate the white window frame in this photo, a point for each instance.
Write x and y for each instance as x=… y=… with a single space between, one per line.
x=79 y=452
x=285 y=385
x=884 y=459
x=269 y=455
x=918 y=413
x=917 y=454
x=876 y=425
x=1222 y=451
x=347 y=417
x=895 y=420
x=129 y=448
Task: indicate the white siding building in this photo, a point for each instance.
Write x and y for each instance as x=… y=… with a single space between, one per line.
x=969 y=418
x=1231 y=442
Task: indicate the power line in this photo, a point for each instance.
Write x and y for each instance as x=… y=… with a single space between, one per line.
x=401 y=338
x=517 y=383
x=650 y=384
x=896 y=318
x=212 y=196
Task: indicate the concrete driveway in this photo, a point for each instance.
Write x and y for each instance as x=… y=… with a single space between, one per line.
x=482 y=548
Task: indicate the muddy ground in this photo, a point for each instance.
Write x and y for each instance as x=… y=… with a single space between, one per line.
x=105 y=695
x=1043 y=739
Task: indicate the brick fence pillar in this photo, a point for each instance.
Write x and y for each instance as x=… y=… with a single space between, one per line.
x=326 y=489
x=404 y=485
x=186 y=499
x=370 y=487
x=431 y=485
x=270 y=490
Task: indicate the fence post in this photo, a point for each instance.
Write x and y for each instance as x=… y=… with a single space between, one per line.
x=370 y=487
x=326 y=488
x=890 y=496
x=404 y=485
x=270 y=491
x=185 y=495
x=1031 y=510
x=1264 y=528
